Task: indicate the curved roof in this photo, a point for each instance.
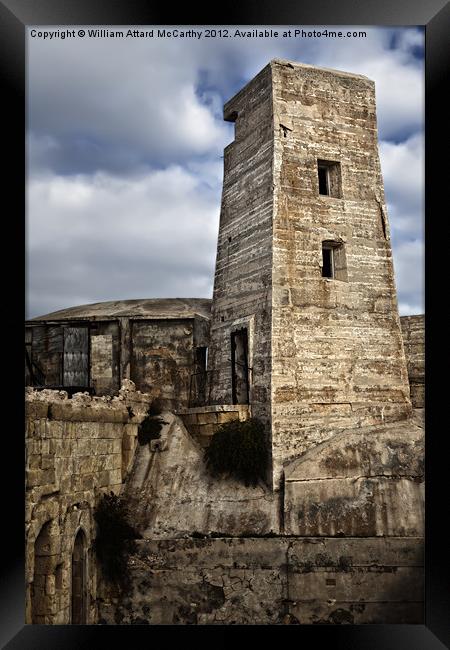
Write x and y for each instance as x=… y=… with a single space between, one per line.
x=141 y=308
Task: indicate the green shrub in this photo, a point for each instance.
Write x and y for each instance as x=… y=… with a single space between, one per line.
x=156 y=407
x=149 y=429
x=239 y=449
x=115 y=539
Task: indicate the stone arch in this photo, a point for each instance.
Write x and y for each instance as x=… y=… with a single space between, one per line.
x=79 y=582
x=46 y=553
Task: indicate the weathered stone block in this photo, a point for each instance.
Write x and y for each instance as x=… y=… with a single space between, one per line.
x=50 y=585
x=35 y=410
x=206 y=418
x=40 y=477
x=128 y=444
x=47 y=461
x=208 y=429
x=103 y=478
x=227 y=417
x=87 y=482
x=383 y=584
x=272 y=580
x=115 y=477
x=34 y=462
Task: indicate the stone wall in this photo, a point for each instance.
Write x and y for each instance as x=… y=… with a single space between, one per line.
x=340 y=543
x=413 y=330
x=105 y=357
x=76 y=449
x=272 y=581
x=242 y=282
x=171 y=493
x=162 y=355
x=361 y=483
x=214 y=550
x=203 y=422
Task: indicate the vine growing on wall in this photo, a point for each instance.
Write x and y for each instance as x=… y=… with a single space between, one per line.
x=239 y=450
x=149 y=429
x=115 y=539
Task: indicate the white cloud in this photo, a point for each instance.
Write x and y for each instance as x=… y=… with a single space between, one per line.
x=150 y=96
x=409 y=267
x=130 y=94
x=406 y=39
x=403 y=170
x=151 y=235
x=398 y=76
x=411 y=309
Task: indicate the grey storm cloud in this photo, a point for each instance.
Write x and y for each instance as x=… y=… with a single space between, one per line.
x=125 y=142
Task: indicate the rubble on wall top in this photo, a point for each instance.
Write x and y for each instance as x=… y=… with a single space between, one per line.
x=127 y=392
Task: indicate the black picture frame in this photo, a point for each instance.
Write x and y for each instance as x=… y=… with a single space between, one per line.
x=15 y=16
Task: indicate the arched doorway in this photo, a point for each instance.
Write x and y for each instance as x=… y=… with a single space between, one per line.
x=41 y=607
x=79 y=580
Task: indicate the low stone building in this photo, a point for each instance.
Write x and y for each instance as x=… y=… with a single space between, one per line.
x=159 y=342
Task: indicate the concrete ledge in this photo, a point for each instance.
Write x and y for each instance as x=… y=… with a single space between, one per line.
x=203 y=421
x=215 y=408
x=363 y=482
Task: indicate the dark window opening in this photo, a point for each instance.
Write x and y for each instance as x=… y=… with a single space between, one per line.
x=329 y=174
x=201 y=359
x=239 y=366
x=327 y=257
x=334 y=262
x=383 y=226
x=199 y=379
x=79 y=581
x=323 y=180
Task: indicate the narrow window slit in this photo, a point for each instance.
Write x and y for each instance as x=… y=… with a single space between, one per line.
x=327 y=257
x=323 y=180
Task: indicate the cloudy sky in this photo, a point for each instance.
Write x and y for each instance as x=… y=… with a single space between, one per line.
x=125 y=143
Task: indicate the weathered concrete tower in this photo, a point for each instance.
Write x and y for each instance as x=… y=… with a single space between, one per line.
x=305 y=324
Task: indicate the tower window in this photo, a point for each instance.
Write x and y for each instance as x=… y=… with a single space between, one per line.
x=323 y=180
x=327 y=258
x=329 y=174
x=334 y=263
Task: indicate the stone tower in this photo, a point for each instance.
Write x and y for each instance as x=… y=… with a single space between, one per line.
x=305 y=323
